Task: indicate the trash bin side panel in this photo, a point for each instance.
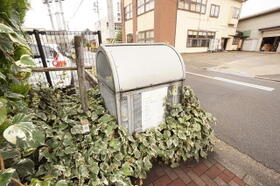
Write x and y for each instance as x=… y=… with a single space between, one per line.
x=109 y=99
x=104 y=70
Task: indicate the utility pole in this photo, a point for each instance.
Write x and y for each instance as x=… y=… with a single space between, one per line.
x=96 y=10
x=59 y=14
x=49 y=10
x=62 y=15
x=110 y=14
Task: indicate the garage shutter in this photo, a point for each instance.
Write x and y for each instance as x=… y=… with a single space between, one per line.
x=250 y=45
x=273 y=33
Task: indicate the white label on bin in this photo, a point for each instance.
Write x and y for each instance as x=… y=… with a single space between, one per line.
x=153 y=107
x=85 y=128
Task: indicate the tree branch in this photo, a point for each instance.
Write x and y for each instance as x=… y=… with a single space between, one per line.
x=2 y=165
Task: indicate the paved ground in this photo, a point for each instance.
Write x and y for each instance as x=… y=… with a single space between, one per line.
x=206 y=172
x=248 y=117
x=225 y=166
x=244 y=63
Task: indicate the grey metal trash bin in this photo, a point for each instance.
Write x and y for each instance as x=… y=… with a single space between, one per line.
x=136 y=79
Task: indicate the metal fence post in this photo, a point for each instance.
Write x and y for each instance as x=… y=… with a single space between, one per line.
x=78 y=42
x=99 y=37
x=42 y=55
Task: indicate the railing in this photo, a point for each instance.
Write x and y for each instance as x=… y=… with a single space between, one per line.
x=55 y=56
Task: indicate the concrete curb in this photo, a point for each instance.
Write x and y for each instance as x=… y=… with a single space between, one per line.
x=269 y=79
x=252 y=172
x=240 y=74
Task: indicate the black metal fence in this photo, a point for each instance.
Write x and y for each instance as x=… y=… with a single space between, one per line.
x=54 y=54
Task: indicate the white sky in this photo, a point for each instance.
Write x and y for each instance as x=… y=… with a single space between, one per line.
x=255 y=6
x=37 y=16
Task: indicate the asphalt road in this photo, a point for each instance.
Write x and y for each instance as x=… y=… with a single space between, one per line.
x=248 y=114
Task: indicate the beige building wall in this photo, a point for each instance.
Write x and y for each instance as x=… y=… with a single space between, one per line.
x=128 y=27
x=192 y=21
x=145 y=21
x=254 y=24
x=128 y=24
x=126 y=2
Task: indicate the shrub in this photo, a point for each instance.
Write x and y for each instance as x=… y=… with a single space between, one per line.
x=105 y=154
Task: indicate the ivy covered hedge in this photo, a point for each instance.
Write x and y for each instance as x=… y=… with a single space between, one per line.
x=59 y=152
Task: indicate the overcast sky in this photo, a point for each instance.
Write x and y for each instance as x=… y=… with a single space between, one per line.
x=83 y=16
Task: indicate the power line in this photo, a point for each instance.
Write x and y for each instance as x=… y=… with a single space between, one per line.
x=81 y=2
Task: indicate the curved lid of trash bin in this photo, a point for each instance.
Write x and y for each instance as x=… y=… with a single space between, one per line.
x=135 y=66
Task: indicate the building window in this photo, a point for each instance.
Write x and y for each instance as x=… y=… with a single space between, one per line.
x=215 y=10
x=235 y=41
x=199 y=38
x=144 y=6
x=198 y=6
x=129 y=38
x=146 y=36
x=235 y=13
x=128 y=12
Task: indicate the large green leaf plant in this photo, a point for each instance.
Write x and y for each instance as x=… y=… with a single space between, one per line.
x=19 y=137
x=15 y=68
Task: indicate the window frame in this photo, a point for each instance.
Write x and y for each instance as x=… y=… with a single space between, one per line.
x=129 y=38
x=144 y=6
x=191 y=3
x=235 y=13
x=201 y=38
x=215 y=7
x=128 y=12
x=235 y=40
x=145 y=38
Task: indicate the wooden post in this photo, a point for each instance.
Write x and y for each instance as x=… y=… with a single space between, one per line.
x=81 y=71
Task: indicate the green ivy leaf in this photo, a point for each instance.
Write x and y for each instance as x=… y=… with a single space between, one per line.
x=6 y=29
x=147 y=163
x=25 y=167
x=37 y=182
x=6 y=176
x=126 y=169
x=105 y=118
x=3 y=112
x=25 y=135
x=61 y=183
x=25 y=61
x=2 y=76
x=94 y=168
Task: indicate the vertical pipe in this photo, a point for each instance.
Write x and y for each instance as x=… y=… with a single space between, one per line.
x=99 y=37
x=42 y=55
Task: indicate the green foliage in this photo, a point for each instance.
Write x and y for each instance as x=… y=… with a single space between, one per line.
x=6 y=176
x=105 y=154
x=91 y=148
x=15 y=68
x=119 y=36
x=14 y=8
x=15 y=64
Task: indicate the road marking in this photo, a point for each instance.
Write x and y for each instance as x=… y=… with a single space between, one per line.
x=234 y=82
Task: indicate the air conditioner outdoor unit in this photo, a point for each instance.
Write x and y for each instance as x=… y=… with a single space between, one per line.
x=136 y=80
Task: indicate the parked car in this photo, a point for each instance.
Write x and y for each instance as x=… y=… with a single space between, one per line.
x=54 y=58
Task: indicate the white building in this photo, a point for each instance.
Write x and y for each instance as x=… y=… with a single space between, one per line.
x=261 y=32
x=110 y=25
